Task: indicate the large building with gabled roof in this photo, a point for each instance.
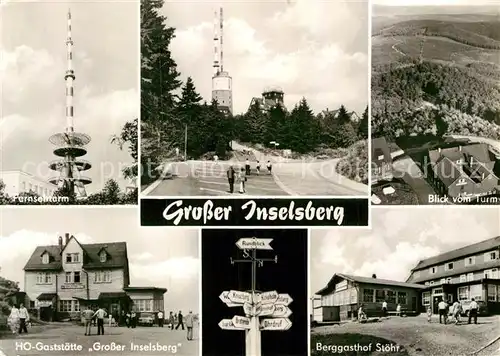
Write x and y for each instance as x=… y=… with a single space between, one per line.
x=60 y=280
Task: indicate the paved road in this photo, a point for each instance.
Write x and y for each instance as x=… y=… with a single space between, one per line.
x=209 y=178
x=174 y=341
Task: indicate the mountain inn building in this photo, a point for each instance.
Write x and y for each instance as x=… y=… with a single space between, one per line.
x=344 y=294
x=460 y=275
x=60 y=280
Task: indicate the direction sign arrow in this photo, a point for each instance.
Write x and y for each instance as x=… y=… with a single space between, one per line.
x=269 y=297
x=227 y=324
x=284 y=299
x=264 y=309
x=253 y=243
x=239 y=297
x=224 y=296
x=281 y=311
x=279 y=324
x=242 y=322
x=248 y=309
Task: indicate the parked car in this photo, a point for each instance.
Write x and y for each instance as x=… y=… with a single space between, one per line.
x=147 y=319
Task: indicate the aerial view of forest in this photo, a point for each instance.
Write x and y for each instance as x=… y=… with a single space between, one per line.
x=435 y=76
x=436 y=72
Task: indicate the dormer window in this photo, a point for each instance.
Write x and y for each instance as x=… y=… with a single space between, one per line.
x=45 y=258
x=103 y=256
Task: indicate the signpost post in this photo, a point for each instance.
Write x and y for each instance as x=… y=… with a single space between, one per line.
x=256 y=305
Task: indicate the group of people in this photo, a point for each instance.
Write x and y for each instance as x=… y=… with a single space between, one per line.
x=19 y=319
x=455 y=310
x=188 y=320
x=362 y=315
x=240 y=177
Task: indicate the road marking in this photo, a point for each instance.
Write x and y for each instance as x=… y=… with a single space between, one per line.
x=246 y=186
x=157 y=182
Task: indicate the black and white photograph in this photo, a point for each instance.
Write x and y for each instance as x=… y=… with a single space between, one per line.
x=71 y=287
x=70 y=102
x=435 y=108
x=255 y=98
x=254 y=292
x=419 y=283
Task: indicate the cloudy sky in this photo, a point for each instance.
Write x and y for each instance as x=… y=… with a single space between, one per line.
x=106 y=59
x=310 y=48
x=399 y=238
x=157 y=256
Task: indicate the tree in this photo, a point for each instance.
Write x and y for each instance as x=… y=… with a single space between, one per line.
x=110 y=195
x=304 y=129
x=4 y=198
x=128 y=138
x=363 y=125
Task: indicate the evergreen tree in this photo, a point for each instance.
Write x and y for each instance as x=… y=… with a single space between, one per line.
x=303 y=128
x=363 y=125
x=255 y=123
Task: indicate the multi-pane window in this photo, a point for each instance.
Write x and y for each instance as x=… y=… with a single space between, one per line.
x=103 y=277
x=391 y=296
x=45 y=258
x=368 y=295
x=72 y=257
x=71 y=305
x=426 y=298
x=402 y=298
x=379 y=296
x=492 y=293
x=143 y=305
x=43 y=278
x=470 y=277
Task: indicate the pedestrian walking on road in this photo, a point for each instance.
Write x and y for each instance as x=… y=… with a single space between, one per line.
x=14 y=319
x=269 y=167
x=230 y=178
x=128 y=316
x=24 y=318
x=473 y=307
x=429 y=314
x=180 y=321
x=242 y=178
x=160 y=319
x=398 y=310
x=171 y=321
x=443 y=311
x=190 y=325
x=257 y=168
x=384 y=308
x=100 y=314
x=247 y=167
x=87 y=315
x=457 y=311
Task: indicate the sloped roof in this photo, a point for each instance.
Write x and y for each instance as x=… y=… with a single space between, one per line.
x=117 y=257
x=366 y=280
x=461 y=252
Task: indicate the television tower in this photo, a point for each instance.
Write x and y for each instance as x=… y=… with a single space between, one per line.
x=222 y=83
x=70 y=145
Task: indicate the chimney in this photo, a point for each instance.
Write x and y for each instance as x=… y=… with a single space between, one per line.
x=60 y=243
x=374 y=276
x=67 y=239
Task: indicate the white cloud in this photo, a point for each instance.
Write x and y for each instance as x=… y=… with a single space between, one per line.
x=144 y=256
x=432 y=2
x=26 y=70
x=176 y=268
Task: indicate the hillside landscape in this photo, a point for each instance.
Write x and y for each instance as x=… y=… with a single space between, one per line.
x=435 y=74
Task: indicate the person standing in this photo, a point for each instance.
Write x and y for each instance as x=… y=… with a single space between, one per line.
x=180 y=320
x=13 y=320
x=128 y=316
x=269 y=167
x=133 y=320
x=100 y=314
x=442 y=307
x=242 y=178
x=88 y=314
x=398 y=310
x=473 y=311
x=457 y=310
x=160 y=319
x=190 y=325
x=24 y=317
x=384 y=308
x=429 y=314
x=171 y=320
x=230 y=178
x=257 y=168
x=247 y=167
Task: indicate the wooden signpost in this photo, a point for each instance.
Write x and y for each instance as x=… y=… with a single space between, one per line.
x=271 y=306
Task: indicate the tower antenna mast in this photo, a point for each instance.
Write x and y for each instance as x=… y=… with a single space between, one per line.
x=221 y=42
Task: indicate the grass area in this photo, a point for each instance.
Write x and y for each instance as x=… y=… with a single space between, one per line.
x=403 y=195
x=340 y=340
